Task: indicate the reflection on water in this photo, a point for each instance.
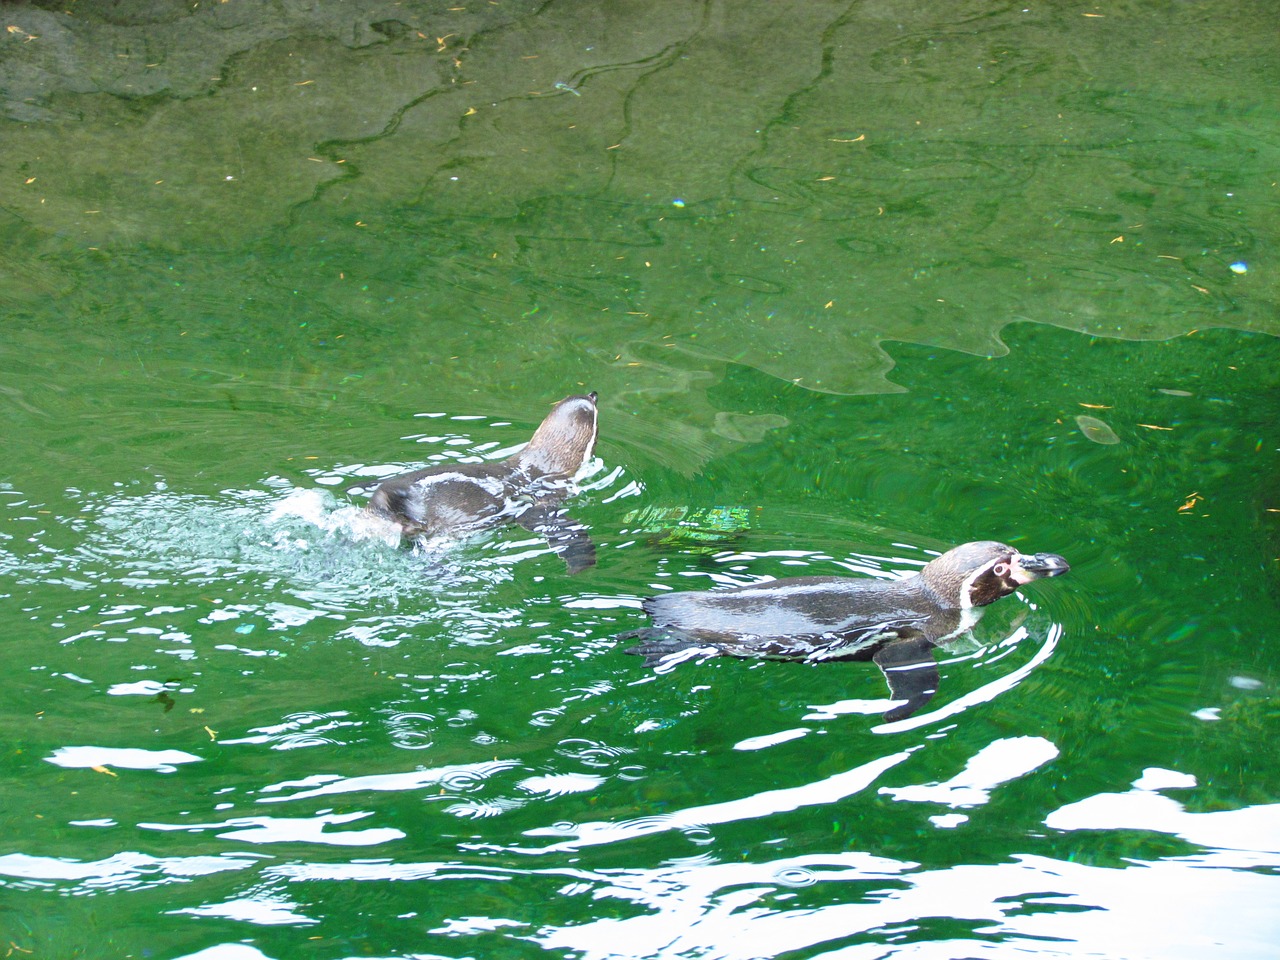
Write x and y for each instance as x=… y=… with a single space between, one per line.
x=998 y=762
x=295 y=724
x=896 y=177
x=127 y=758
x=1039 y=905
x=771 y=905
x=1253 y=829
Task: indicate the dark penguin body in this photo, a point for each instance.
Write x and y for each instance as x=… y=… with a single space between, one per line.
x=527 y=488
x=896 y=623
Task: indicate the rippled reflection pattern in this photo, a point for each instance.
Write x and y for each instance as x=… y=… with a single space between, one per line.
x=252 y=724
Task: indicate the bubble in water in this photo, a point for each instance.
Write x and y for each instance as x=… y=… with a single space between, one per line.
x=795 y=877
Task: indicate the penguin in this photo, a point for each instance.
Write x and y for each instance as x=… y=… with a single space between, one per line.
x=895 y=623
x=527 y=488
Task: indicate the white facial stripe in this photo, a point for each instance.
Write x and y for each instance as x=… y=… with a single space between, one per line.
x=966 y=588
x=595 y=432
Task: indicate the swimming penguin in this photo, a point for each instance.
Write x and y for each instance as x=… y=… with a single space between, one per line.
x=896 y=623
x=526 y=488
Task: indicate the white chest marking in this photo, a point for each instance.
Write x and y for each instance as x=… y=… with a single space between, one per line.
x=969 y=617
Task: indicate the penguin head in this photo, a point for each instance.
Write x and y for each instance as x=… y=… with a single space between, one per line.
x=976 y=574
x=564 y=441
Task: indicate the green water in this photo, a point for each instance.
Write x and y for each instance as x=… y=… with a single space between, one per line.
x=851 y=270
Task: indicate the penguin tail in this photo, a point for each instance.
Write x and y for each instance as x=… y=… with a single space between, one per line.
x=664 y=652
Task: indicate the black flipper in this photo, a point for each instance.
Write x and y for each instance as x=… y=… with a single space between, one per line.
x=566 y=536
x=663 y=651
x=912 y=673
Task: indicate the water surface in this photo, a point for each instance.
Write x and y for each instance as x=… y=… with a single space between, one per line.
x=868 y=282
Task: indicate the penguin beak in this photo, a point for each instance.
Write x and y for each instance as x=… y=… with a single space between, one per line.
x=1028 y=567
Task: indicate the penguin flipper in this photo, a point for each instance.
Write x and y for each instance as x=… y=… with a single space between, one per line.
x=911 y=672
x=566 y=536
x=662 y=651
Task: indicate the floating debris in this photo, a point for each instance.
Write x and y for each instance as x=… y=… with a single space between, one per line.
x=685 y=526
x=1193 y=500
x=1245 y=683
x=1239 y=267
x=1096 y=430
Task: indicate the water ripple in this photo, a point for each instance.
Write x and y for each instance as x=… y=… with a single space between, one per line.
x=121 y=871
x=456 y=778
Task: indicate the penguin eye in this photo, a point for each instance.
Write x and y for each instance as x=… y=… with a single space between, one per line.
x=1001 y=569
